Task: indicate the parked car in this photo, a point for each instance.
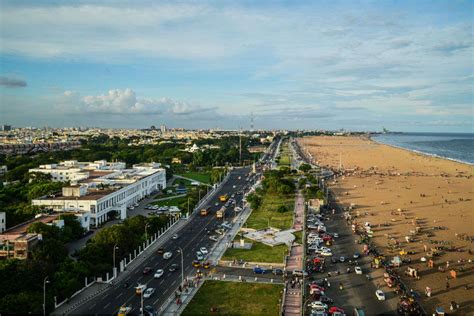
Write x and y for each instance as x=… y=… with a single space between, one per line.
x=213 y=238
x=358 y=270
x=158 y=273
x=342 y=259
x=146 y=270
x=196 y=263
x=380 y=295
x=167 y=255
x=149 y=292
x=206 y=265
x=203 y=250
x=175 y=236
x=199 y=256
x=356 y=255
x=300 y=273
x=318 y=305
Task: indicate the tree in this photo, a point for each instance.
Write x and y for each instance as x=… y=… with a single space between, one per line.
x=282 y=209
x=305 y=167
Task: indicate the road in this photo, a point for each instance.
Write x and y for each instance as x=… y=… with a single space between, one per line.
x=191 y=237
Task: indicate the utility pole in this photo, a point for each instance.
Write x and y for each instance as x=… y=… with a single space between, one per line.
x=240 y=147
x=44 y=295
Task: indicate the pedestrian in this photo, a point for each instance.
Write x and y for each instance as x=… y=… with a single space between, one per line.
x=447 y=286
x=447 y=264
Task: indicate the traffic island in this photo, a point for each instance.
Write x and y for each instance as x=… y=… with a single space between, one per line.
x=234 y=298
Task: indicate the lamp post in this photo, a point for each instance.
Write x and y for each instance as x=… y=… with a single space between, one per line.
x=115 y=248
x=146 y=232
x=182 y=265
x=44 y=295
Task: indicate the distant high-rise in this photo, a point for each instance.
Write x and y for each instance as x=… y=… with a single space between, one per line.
x=6 y=127
x=163 y=129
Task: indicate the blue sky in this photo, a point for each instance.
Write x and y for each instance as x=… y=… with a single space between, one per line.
x=358 y=65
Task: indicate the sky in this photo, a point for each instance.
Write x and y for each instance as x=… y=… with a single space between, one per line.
x=354 y=65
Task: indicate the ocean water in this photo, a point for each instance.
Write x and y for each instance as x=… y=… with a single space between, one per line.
x=454 y=146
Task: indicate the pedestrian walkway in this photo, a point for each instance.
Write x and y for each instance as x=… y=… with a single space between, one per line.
x=293 y=293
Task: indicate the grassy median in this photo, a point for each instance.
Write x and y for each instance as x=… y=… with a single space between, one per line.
x=236 y=299
x=204 y=177
x=268 y=216
x=258 y=253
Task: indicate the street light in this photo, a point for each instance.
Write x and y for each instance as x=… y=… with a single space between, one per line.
x=115 y=248
x=44 y=295
x=146 y=232
x=182 y=265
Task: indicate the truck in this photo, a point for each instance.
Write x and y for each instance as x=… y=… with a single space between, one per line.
x=205 y=211
x=220 y=213
x=224 y=197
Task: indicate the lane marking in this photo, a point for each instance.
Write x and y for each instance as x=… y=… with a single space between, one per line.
x=107 y=305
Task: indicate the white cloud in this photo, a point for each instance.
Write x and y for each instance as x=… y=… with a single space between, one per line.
x=118 y=101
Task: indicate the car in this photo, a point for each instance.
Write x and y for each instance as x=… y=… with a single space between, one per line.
x=161 y=250
x=318 y=305
x=258 y=270
x=380 y=295
x=167 y=255
x=213 y=238
x=149 y=292
x=196 y=263
x=356 y=255
x=216 y=204
x=342 y=259
x=277 y=272
x=175 y=236
x=149 y=311
x=158 y=273
x=152 y=213
x=358 y=270
x=203 y=250
x=146 y=270
x=199 y=256
x=334 y=310
x=206 y=265
x=326 y=253
x=173 y=267
x=131 y=207
x=300 y=273
x=325 y=299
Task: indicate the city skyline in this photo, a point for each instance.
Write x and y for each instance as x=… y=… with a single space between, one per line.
x=326 y=65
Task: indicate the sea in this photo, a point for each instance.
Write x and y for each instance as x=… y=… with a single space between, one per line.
x=454 y=146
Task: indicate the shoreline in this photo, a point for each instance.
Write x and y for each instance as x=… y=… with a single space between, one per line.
x=415 y=202
x=371 y=138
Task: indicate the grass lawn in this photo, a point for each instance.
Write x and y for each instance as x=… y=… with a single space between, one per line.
x=236 y=299
x=172 y=202
x=267 y=214
x=204 y=177
x=259 y=253
x=284 y=159
x=299 y=237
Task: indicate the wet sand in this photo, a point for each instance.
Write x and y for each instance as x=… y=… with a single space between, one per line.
x=434 y=194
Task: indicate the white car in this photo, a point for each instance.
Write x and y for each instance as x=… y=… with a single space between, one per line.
x=175 y=236
x=342 y=259
x=167 y=255
x=203 y=250
x=318 y=306
x=326 y=253
x=358 y=270
x=380 y=295
x=149 y=292
x=336 y=235
x=199 y=256
x=158 y=273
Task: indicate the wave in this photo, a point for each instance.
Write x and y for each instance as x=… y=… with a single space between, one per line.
x=423 y=152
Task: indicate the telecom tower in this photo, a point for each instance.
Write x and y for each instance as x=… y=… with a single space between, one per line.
x=251 y=121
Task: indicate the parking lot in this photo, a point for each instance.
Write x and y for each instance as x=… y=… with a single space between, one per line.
x=342 y=286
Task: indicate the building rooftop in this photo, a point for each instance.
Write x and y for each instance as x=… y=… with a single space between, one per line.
x=20 y=230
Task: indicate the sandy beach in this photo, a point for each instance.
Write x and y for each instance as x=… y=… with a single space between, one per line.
x=397 y=191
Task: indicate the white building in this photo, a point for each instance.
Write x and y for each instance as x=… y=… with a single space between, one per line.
x=107 y=191
x=73 y=171
x=3 y=222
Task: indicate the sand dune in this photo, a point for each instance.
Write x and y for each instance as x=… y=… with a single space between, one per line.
x=434 y=194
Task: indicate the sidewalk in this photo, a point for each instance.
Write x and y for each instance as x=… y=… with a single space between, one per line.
x=293 y=295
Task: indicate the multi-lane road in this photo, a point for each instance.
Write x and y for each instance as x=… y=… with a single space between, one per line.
x=191 y=237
